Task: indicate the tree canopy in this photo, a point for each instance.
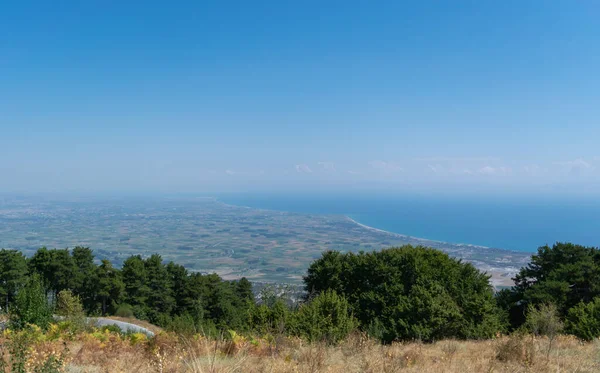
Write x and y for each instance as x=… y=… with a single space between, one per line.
x=565 y=275
x=409 y=293
x=403 y=293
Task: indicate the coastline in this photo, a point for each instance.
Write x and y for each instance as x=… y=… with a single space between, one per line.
x=379 y=230
x=405 y=236
x=500 y=275
x=370 y=228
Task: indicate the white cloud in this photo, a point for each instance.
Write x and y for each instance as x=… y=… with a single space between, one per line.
x=579 y=163
x=247 y=172
x=575 y=167
x=354 y=172
x=489 y=170
x=303 y=168
x=532 y=169
x=386 y=167
x=457 y=159
x=435 y=168
x=327 y=166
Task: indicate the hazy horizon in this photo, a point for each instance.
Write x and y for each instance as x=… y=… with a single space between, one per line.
x=465 y=98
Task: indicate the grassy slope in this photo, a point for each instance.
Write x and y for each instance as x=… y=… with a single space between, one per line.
x=168 y=354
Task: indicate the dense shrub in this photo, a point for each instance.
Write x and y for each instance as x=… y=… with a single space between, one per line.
x=410 y=293
x=70 y=308
x=112 y=329
x=187 y=326
x=68 y=305
x=543 y=320
x=184 y=325
x=325 y=318
x=583 y=320
x=124 y=310
x=269 y=318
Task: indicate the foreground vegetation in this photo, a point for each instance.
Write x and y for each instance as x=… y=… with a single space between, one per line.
x=108 y=351
x=409 y=307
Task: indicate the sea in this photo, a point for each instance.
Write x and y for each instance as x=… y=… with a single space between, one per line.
x=520 y=223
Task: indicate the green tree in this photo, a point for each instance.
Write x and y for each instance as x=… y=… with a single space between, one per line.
x=110 y=287
x=564 y=275
x=219 y=301
x=70 y=307
x=135 y=280
x=31 y=305
x=195 y=293
x=583 y=320
x=85 y=278
x=178 y=278
x=56 y=268
x=160 y=299
x=326 y=318
x=410 y=293
x=243 y=288
x=40 y=263
x=13 y=275
x=271 y=318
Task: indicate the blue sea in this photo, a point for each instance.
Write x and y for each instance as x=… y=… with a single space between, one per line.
x=521 y=223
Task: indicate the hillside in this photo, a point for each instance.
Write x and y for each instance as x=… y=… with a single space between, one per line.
x=411 y=309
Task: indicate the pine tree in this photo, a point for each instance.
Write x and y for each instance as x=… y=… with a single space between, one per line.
x=85 y=277
x=110 y=287
x=13 y=274
x=31 y=305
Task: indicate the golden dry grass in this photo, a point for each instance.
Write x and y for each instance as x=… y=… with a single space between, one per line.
x=167 y=353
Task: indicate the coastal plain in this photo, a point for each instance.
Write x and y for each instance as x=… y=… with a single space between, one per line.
x=206 y=235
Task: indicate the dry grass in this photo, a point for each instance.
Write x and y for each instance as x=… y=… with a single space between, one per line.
x=167 y=353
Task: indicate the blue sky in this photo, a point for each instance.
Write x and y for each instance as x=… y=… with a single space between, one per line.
x=195 y=96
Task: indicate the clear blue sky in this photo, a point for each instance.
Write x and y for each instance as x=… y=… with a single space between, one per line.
x=193 y=96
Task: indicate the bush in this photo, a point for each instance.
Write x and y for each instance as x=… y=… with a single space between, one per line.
x=410 y=293
x=69 y=306
x=543 y=321
x=325 y=318
x=269 y=319
x=112 y=329
x=583 y=320
x=124 y=310
x=184 y=325
x=22 y=354
x=516 y=348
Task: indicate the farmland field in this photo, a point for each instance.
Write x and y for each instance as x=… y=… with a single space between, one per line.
x=207 y=235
